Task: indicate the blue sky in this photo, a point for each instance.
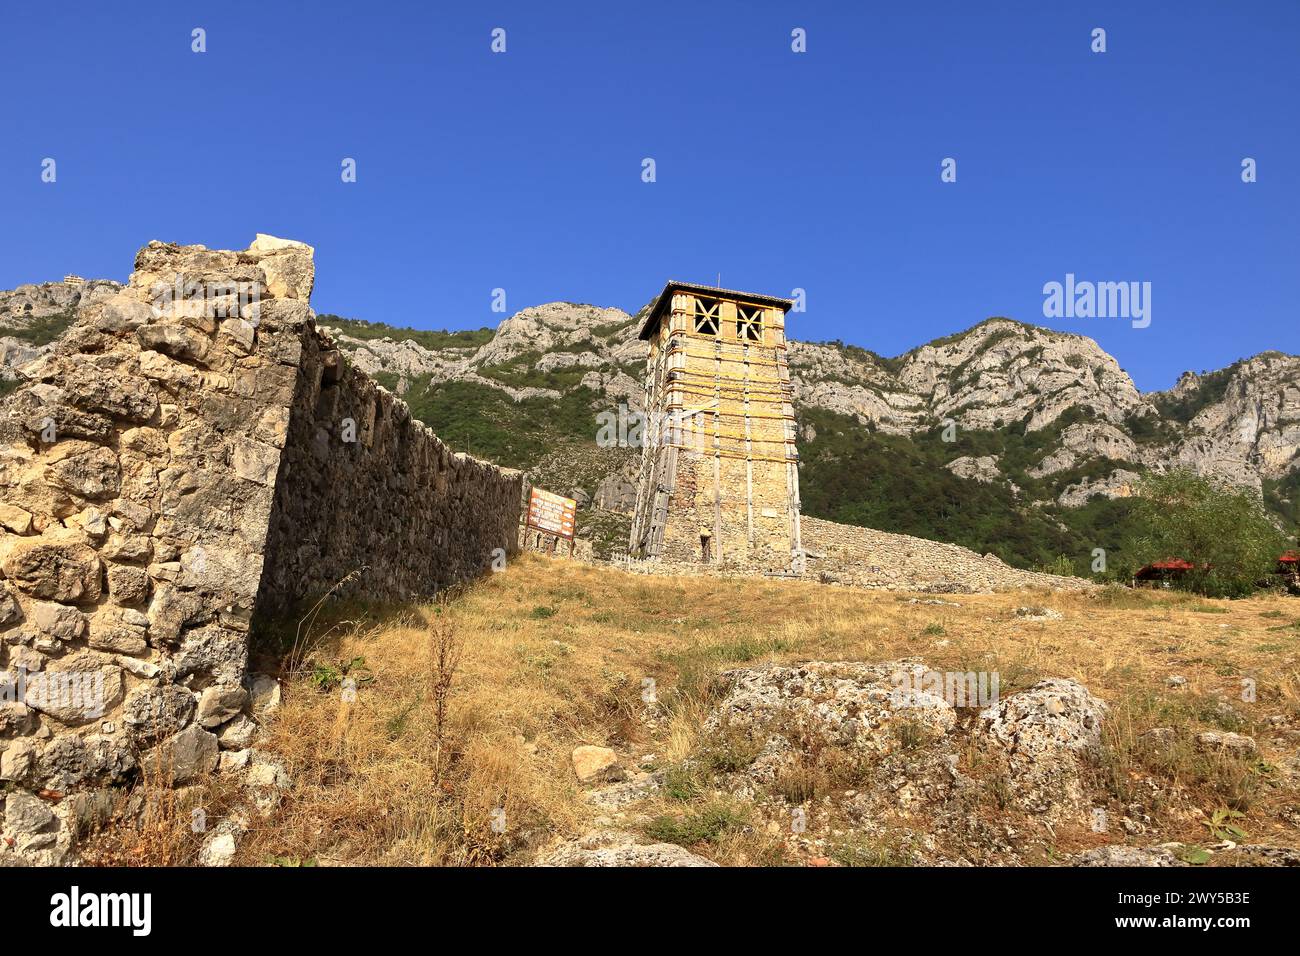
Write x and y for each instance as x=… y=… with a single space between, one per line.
x=777 y=170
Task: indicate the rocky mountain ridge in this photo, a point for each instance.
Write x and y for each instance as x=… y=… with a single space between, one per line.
x=32 y=317
x=1241 y=423
x=1047 y=419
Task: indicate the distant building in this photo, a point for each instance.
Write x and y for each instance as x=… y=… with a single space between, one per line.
x=1163 y=573
x=73 y=280
x=719 y=479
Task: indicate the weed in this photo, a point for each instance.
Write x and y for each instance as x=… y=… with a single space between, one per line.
x=704 y=825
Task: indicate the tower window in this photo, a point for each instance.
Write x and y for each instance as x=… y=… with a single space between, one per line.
x=749 y=323
x=706 y=316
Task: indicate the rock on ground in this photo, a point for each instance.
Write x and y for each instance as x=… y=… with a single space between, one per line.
x=893 y=734
x=1043 y=736
x=592 y=764
x=612 y=848
x=1128 y=856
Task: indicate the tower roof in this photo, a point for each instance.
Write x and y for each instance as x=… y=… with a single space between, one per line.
x=660 y=306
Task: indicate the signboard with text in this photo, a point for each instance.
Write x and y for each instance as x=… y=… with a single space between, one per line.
x=552 y=513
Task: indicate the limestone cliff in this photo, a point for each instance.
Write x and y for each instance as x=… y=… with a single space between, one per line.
x=1242 y=423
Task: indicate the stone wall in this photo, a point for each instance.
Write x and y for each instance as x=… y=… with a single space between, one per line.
x=369 y=494
x=176 y=463
x=865 y=557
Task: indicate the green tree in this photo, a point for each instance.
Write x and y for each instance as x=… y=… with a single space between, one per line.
x=1223 y=531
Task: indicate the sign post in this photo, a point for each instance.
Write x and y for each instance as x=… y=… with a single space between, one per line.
x=552 y=514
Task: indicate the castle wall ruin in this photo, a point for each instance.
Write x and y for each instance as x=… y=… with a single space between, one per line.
x=364 y=485
x=868 y=558
x=192 y=452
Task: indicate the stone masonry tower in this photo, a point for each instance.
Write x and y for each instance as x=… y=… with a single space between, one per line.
x=719 y=478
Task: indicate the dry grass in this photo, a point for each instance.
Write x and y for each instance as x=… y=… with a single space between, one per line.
x=553 y=654
x=154 y=823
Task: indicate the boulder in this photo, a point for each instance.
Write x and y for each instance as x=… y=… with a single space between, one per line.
x=232 y=761
x=170 y=609
x=255 y=461
x=1042 y=736
x=613 y=848
x=1128 y=856
x=266 y=773
x=175 y=341
x=264 y=695
x=212 y=653
x=83 y=469
x=264 y=243
x=843 y=704
x=219 y=849
x=15 y=519
x=58 y=621
x=10 y=611
x=1226 y=741
x=638 y=787
x=123 y=312
x=1038 y=613
x=17 y=760
x=31 y=822
x=70 y=761
x=238 y=733
x=128 y=547
x=75 y=690
x=16 y=718
x=111 y=389
x=157 y=711
x=238 y=335
x=119 y=631
x=288 y=267
x=128 y=585
x=592 y=764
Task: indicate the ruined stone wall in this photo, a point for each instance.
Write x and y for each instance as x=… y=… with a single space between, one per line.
x=369 y=494
x=173 y=463
x=865 y=557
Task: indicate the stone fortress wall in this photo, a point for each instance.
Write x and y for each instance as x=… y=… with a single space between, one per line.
x=363 y=484
x=191 y=452
x=864 y=557
x=843 y=554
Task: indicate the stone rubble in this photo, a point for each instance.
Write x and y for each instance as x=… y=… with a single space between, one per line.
x=611 y=848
